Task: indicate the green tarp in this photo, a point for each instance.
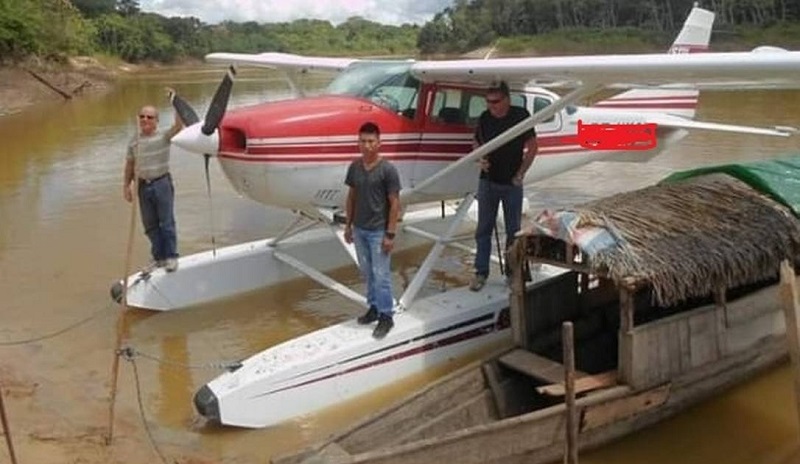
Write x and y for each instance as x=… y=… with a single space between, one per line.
x=778 y=178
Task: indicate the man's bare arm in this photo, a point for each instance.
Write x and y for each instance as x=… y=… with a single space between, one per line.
x=531 y=149
x=177 y=125
x=394 y=212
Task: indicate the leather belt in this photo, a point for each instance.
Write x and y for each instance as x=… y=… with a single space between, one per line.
x=151 y=181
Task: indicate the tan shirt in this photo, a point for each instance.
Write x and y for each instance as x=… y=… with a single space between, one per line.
x=152 y=155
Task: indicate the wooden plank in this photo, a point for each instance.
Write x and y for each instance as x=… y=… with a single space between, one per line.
x=493 y=380
x=330 y=454
x=626 y=342
x=703 y=338
x=583 y=384
x=518 y=313
x=536 y=366
x=616 y=410
x=431 y=401
x=791 y=311
x=568 y=342
x=743 y=310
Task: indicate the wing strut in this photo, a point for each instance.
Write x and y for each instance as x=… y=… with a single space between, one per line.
x=425 y=269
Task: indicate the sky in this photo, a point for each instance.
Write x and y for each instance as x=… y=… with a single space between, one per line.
x=394 y=12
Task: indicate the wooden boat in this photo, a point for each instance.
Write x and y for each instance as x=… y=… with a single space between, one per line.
x=685 y=304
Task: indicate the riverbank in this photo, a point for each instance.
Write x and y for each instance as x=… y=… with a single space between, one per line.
x=34 y=81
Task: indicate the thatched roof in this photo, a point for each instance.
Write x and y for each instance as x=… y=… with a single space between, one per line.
x=688 y=238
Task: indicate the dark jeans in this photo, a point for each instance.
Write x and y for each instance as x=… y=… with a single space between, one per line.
x=490 y=195
x=156 y=200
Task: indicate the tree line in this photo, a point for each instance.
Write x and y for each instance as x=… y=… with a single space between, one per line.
x=118 y=28
x=60 y=28
x=469 y=24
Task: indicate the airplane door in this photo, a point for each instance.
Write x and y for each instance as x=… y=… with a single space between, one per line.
x=449 y=118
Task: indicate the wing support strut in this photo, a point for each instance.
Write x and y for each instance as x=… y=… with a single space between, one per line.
x=427 y=266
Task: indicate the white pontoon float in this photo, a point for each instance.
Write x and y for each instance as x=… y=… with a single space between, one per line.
x=340 y=362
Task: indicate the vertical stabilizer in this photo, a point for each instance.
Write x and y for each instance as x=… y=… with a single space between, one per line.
x=694 y=37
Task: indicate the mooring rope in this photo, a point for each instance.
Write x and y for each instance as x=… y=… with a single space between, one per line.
x=59 y=331
x=140 y=403
x=130 y=352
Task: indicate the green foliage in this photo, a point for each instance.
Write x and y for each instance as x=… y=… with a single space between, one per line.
x=519 y=23
x=46 y=27
x=20 y=28
x=572 y=41
x=94 y=8
x=117 y=28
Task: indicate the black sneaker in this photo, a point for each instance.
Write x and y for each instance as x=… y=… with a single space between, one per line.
x=369 y=317
x=385 y=324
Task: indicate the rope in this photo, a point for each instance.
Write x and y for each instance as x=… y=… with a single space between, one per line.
x=147 y=430
x=57 y=332
x=130 y=352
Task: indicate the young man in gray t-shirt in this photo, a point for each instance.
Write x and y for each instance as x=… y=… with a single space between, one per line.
x=147 y=161
x=373 y=205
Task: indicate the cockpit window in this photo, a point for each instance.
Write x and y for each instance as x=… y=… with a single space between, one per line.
x=388 y=84
x=540 y=103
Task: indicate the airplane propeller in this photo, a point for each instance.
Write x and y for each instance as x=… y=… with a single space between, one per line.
x=206 y=139
x=219 y=103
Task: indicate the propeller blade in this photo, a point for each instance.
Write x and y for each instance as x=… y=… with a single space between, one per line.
x=210 y=206
x=219 y=103
x=184 y=110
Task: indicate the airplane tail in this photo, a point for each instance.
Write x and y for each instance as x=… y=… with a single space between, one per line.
x=694 y=37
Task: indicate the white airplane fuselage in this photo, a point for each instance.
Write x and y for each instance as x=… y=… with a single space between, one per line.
x=294 y=154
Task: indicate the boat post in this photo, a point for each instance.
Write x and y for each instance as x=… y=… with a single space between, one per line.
x=6 y=430
x=791 y=311
x=571 y=451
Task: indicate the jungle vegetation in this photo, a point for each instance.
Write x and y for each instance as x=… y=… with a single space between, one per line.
x=119 y=28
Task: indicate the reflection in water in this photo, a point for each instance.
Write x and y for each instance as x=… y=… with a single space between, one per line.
x=63 y=232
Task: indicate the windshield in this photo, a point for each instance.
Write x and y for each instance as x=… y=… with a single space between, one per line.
x=386 y=83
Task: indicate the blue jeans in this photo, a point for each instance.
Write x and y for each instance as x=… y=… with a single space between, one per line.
x=156 y=201
x=375 y=267
x=489 y=196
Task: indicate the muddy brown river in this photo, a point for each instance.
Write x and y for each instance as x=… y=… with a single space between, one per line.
x=63 y=240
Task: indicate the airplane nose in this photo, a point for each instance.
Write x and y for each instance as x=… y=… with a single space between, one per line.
x=206 y=403
x=192 y=139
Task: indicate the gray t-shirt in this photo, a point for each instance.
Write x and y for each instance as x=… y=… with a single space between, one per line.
x=372 y=191
x=152 y=157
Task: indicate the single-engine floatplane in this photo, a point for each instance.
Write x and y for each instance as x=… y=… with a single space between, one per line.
x=294 y=154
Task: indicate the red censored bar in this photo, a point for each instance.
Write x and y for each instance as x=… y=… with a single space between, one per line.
x=617 y=136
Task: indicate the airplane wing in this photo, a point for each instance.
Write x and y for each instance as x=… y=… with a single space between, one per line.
x=749 y=70
x=742 y=69
x=285 y=61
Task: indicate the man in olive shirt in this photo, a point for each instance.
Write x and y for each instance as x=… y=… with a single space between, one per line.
x=372 y=208
x=148 y=160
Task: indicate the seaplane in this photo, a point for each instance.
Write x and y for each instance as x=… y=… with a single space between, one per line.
x=294 y=153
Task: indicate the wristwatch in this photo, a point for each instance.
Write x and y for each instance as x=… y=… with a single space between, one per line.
x=389 y=235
